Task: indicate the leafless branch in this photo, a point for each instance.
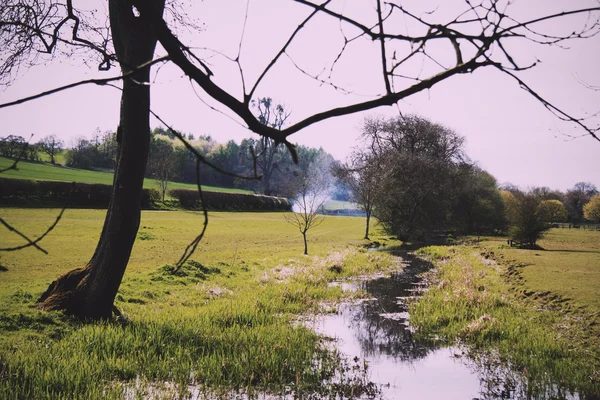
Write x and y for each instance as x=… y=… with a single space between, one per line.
x=191 y=248
x=562 y=115
x=32 y=243
x=248 y=97
x=97 y=81
x=200 y=157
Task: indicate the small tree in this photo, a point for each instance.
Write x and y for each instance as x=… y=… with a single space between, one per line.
x=360 y=174
x=268 y=153
x=525 y=217
x=162 y=164
x=553 y=211
x=312 y=186
x=51 y=145
x=591 y=211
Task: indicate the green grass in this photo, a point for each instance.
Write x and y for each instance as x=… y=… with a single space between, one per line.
x=513 y=305
x=59 y=158
x=226 y=321
x=48 y=172
x=568 y=265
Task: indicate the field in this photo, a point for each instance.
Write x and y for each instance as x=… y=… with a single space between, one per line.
x=569 y=266
x=48 y=172
x=537 y=310
x=58 y=158
x=225 y=321
x=228 y=319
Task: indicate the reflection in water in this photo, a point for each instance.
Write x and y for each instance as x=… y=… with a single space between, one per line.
x=380 y=326
x=409 y=367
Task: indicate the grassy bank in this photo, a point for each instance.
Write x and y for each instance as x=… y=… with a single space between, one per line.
x=533 y=311
x=225 y=321
x=48 y=172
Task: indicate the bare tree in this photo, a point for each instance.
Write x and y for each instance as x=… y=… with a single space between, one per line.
x=361 y=175
x=267 y=153
x=476 y=35
x=312 y=185
x=162 y=164
x=51 y=145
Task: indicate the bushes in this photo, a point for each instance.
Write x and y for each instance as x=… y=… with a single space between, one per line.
x=230 y=201
x=48 y=193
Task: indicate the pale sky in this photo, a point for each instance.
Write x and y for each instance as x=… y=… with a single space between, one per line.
x=508 y=132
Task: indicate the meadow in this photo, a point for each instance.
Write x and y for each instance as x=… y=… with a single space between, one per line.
x=227 y=320
x=48 y=172
x=536 y=311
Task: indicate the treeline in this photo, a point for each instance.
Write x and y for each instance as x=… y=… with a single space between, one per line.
x=14 y=146
x=416 y=178
x=169 y=161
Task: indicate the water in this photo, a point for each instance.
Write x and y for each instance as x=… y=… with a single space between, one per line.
x=377 y=331
x=406 y=367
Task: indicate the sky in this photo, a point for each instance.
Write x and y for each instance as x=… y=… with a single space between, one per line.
x=507 y=131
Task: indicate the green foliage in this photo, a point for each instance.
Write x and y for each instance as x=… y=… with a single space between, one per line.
x=576 y=198
x=527 y=220
x=552 y=211
x=417 y=179
x=591 y=211
x=100 y=152
x=478 y=206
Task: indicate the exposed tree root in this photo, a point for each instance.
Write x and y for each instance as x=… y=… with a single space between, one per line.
x=62 y=294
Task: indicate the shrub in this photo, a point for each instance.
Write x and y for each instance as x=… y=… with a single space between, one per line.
x=526 y=218
x=50 y=193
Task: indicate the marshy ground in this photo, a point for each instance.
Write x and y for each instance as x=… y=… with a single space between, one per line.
x=228 y=320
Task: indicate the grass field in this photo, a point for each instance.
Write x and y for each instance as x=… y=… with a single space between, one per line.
x=537 y=310
x=48 y=172
x=569 y=266
x=59 y=158
x=226 y=321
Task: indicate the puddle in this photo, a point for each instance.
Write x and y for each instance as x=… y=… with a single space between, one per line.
x=403 y=366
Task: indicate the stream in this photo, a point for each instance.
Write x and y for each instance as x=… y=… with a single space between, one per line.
x=377 y=331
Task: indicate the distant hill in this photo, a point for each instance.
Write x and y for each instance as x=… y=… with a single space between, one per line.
x=48 y=172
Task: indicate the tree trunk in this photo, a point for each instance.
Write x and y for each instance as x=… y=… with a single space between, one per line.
x=305 y=243
x=90 y=292
x=367 y=227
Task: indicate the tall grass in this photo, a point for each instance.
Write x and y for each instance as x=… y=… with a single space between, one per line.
x=471 y=300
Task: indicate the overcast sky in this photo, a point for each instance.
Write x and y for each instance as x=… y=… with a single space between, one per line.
x=508 y=132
